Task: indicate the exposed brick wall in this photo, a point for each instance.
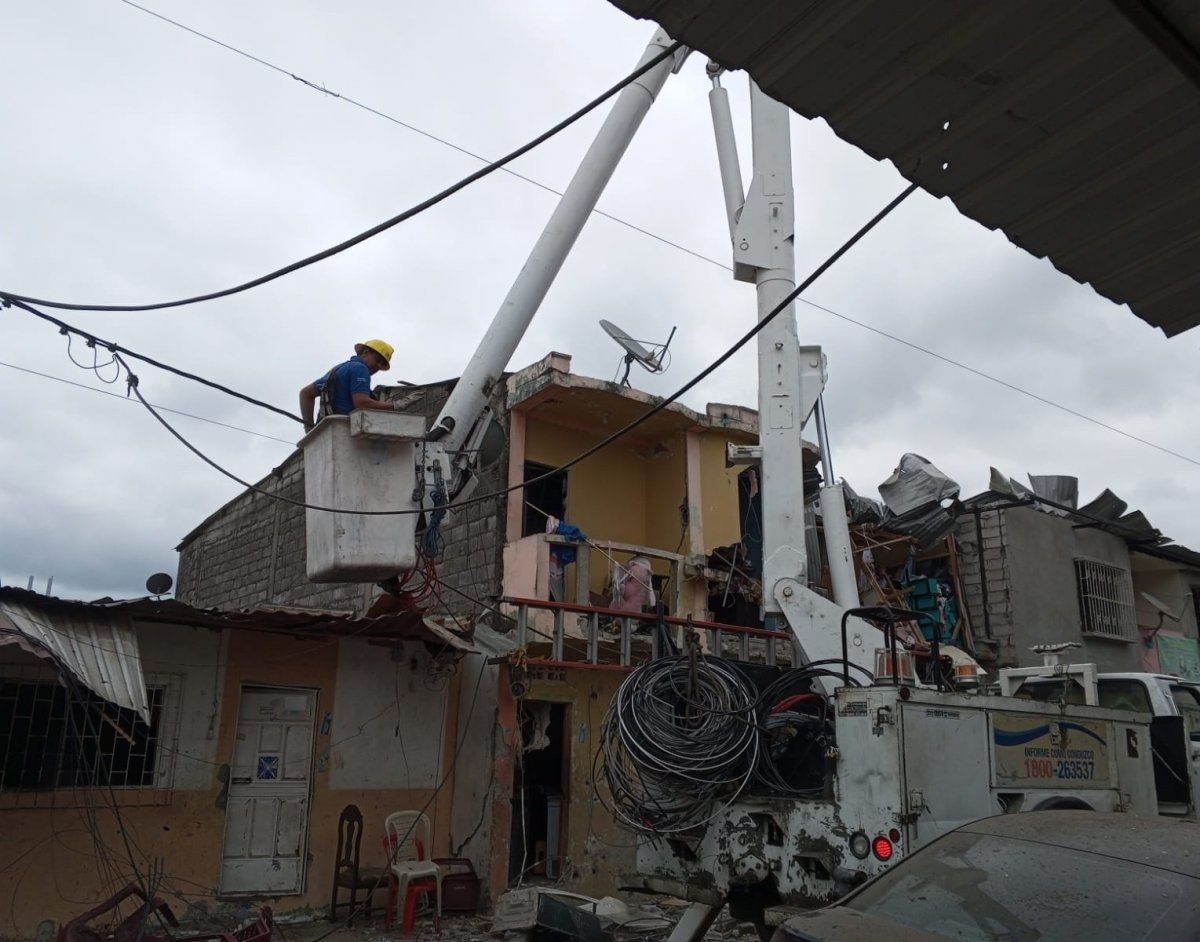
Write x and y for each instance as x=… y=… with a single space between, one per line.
x=252 y=551
x=999 y=587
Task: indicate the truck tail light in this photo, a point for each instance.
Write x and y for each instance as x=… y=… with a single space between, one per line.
x=860 y=845
x=883 y=848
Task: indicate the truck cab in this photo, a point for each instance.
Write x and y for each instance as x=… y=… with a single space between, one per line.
x=1172 y=702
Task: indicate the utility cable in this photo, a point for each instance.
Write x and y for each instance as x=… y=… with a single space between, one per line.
x=339 y=96
x=1005 y=383
x=118 y=396
x=116 y=348
x=376 y=229
x=663 y=239
x=749 y=335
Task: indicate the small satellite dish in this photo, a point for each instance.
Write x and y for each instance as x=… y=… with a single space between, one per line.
x=492 y=445
x=1164 y=610
x=159 y=584
x=650 y=357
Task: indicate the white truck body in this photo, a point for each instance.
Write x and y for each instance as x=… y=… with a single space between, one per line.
x=1164 y=697
x=911 y=764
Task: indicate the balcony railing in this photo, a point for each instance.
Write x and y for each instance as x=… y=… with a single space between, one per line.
x=527 y=567
x=608 y=637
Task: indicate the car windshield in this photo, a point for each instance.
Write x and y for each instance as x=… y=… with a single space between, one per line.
x=983 y=888
x=1124 y=695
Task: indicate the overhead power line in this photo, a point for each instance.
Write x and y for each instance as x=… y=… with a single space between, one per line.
x=118 y=396
x=374 y=230
x=1013 y=387
x=115 y=348
x=587 y=453
x=408 y=126
x=1006 y=384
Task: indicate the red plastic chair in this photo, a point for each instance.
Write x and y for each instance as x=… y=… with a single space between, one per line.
x=415 y=887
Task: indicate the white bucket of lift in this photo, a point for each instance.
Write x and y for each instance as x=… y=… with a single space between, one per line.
x=363 y=461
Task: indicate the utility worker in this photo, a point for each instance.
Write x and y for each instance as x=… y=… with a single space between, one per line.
x=347 y=386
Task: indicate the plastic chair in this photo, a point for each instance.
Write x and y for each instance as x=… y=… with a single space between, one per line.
x=346 y=870
x=407 y=841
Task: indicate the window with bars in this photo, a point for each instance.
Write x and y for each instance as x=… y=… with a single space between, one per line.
x=53 y=738
x=1106 y=600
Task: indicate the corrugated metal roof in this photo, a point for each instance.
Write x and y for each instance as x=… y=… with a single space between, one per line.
x=1073 y=127
x=97 y=645
x=382 y=624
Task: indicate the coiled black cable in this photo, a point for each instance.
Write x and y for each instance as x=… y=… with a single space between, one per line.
x=680 y=743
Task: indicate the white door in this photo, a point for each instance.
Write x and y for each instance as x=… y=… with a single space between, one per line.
x=266 y=816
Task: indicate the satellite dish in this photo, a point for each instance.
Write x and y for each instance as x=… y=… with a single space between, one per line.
x=651 y=358
x=159 y=584
x=1164 y=610
x=492 y=445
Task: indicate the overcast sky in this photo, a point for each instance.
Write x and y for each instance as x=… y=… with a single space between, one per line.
x=141 y=163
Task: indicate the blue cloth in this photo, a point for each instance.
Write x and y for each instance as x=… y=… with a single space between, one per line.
x=353 y=376
x=566 y=554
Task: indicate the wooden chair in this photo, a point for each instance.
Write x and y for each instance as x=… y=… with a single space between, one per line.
x=346 y=870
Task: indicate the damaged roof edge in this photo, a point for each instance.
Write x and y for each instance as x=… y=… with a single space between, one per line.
x=281 y=619
x=1070 y=128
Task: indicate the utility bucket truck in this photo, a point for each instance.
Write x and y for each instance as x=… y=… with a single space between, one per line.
x=756 y=786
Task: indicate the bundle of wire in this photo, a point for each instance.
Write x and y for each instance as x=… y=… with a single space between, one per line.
x=680 y=743
x=420 y=583
x=797 y=732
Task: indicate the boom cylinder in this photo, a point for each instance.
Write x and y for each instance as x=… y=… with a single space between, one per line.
x=500 y=341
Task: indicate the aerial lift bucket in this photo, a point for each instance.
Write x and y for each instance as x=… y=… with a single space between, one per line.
x=363 y=461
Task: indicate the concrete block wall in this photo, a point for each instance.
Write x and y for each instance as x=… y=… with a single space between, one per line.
x=999 y=583
x=251 y=552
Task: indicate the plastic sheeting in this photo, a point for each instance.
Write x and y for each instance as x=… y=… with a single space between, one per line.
x=913 y=497
x=915 y=484
x=98 y=648
x=861 y=510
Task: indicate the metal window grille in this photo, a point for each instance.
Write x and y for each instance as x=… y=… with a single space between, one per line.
x=1106 y=600
x=51 y=737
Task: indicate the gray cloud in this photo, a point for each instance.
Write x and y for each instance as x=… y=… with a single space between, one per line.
x=144 y=164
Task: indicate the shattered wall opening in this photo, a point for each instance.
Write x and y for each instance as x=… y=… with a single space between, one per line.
x=541 y=794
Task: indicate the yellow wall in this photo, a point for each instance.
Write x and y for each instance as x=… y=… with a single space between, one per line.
x=47 y=854
x=632 y=495
x=600 y=851
x=666 y=488
x=718 y=490
x=606 y=494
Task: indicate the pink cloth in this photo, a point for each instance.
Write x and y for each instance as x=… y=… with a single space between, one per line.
x=634 y=586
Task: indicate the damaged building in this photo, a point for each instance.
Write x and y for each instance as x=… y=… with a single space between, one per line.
x=277 y=703
x=258 y=709
x=1017 y=566
x=218 y=747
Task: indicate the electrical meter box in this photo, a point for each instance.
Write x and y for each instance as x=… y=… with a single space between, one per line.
x=361 y=461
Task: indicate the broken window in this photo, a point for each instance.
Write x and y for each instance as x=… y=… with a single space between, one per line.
x=547 y=497
x=51 y=737
x=1106 y=600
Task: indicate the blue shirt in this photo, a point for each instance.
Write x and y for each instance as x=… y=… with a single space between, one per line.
x=353 y=376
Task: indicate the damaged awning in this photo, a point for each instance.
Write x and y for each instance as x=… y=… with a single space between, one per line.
x=97 y=647
x=1070 y=127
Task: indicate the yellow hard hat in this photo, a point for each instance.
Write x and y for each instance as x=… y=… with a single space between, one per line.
x=382 y=347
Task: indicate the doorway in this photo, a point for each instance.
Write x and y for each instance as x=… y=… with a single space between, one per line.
x=268 y=787
x=541 y=791
x=547 y=496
